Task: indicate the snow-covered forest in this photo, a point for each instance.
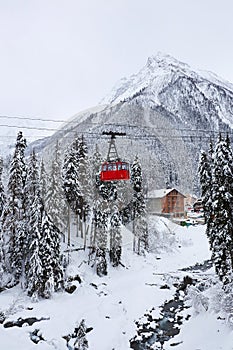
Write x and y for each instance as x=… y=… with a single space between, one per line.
x=83 y=264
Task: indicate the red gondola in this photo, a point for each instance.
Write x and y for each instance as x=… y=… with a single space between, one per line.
x=114 y=169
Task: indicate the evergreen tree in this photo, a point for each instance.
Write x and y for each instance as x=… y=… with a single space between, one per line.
x=95 y=183
x=14 y=210
x=33 y=263
x=96 y=162
x=77 y=181
x=43 y=181
x=138 y=207
x=81 y=342
x=2 y=192
x=141 y=231
x=222 y=211
x=2 y=259
x=205 y=175
x=50 y=256
x=55 y=204
x=136 y=179
x=43 y=272
x=83 y=182
x=33 y=267
x=70 y=175
x=115 y=238
x=101 y=218
x=77 y=340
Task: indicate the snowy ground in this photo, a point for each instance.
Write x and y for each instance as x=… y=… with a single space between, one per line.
x=111 y=304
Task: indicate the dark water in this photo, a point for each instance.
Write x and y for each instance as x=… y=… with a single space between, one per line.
x=159 y=330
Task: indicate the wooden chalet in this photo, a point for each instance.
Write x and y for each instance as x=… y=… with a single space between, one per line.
x=166 y=202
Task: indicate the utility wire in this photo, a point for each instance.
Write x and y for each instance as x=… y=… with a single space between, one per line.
x=30 y=118
x=92 y=133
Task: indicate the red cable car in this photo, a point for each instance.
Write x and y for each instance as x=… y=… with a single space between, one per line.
x=114 y=169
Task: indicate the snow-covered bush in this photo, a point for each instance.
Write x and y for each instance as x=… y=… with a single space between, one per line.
x=161 y=237
x=197 y=300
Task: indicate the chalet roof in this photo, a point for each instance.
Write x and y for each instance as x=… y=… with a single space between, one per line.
x=161 y=193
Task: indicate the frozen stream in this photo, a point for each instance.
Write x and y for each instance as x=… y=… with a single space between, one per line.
x=152 y=332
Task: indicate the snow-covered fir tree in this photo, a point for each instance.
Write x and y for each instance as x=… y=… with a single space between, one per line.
x=96 y=161
x=2 y=192
x=14 y=211
x=77 y=182
x=33 y=264
x=221 y=232
x=43 y=180
x=70 y=175
x=43 y=273
x=101 y=222
x=54 y=200
x=2 y=260
x=141 y=232
x=139 y=207
x=77 y=340
x=83 y=183
x=81 y=342
x=115 y=238
x=50 y=256
x=205 y=176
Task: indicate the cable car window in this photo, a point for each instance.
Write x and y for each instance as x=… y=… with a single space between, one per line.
x=123 y=166
x=114 y=167
x=110 y=167
x=104 y=167
x=119 y=166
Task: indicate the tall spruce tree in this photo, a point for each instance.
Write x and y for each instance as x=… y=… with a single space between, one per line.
x=14 y=211
x=206 y=182
x=115 y=238
x=2 y=260
x=77 y=181
x=2 y=192
x=101 y=219
x=96 y=161
x=70 y=175
x=138 y=207
x=33 y=263
x=43 y=181
x=50 y=256
x=222 y=212
x=83 y=183
x=55 y=200
x=43 y=272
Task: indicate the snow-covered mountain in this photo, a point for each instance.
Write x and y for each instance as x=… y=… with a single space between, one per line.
x=163 y=75
x=168 y=111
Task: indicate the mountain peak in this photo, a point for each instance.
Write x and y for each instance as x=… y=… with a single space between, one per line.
x=163 y=60
x=160 y=71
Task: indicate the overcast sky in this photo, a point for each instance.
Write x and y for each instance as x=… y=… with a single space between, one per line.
x=58 y=57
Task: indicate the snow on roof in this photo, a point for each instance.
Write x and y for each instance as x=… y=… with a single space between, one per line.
x=159 y=193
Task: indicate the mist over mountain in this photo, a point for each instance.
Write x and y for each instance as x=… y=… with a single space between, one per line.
x=169 y=113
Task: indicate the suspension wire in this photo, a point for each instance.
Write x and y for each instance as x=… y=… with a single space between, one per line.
x=92 y=133
x=33 y=119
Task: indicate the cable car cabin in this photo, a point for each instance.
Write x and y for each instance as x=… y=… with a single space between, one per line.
x=114 y=171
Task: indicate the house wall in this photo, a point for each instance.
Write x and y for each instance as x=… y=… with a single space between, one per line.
x=173 y=203
x=154 y=205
